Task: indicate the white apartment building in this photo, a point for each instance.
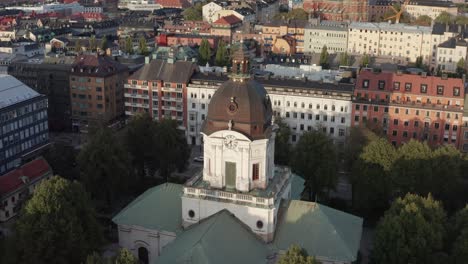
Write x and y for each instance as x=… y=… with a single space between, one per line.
x=440 y=34
x=399 y=41
x=449 y=53
x=332 y=34
x=430 y=8
x=209 y=10
x=302 y=104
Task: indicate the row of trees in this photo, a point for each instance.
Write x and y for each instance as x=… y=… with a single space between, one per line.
x=127 y=44
x=344 y=58
x=205 y=53
x=380 y=172
x=416 y=229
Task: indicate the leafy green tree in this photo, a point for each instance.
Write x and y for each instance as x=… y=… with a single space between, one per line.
x=221 y=54
x=461 y=20
x=458 y=236
x=142 y=46
x=315 y=160
x=129 y=45
x=171 y=142
x=324 y=57
x=92 y=43
x=125 y=257
x=444 y=18
x=94 y=258
x=297 y=14
x=104 y=44
x=371 y=175
x=62 y=159
x=461 y=67
x=282 y=144
x=194 y=12
x=104 y=167
x=204 y=52
x=344 y=59
x=141 y=142
x=296 y=255
x=423 y=20
x=365 y=60
x=58 y=224
x=411 y=231
x=419 y=62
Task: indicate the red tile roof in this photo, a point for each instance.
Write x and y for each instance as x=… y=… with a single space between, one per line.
x=33 y=170
x=174 y=3
x=228 y=20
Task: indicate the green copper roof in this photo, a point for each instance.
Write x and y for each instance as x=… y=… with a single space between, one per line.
x=158 y=208
x=297 y=187
x=221 y=238
x=322 y=231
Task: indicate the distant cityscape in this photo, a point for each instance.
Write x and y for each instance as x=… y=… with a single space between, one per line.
x=391 y=70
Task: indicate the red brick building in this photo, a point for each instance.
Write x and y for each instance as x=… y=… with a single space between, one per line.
x=409 y=106
x=185 y=40
x=160 y=89
x=354 y=10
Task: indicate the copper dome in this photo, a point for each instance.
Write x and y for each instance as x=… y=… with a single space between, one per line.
x=243 y=106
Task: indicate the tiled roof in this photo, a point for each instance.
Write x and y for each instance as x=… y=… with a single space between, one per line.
x=228 y=20
x=93 y=65
x=221 y=238
x=322 y=231
x=146 y=210
x=452 y=43
x=174 y=3
x=177 y=72
x=33 y=170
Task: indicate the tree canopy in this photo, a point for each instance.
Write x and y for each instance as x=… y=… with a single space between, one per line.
x=411 y=231
x=423 y=20
x=315 y=159
x=58 y=224
x=365 y=60
x=142 y=46
x=345 y=60
x=129 y=45
x=297 y=13
x=104 y=167
x=204 y=52
x=458 y=236
x=194 y=12
x=125 y=257
x=221 y=58
x=324 y=57
x=283 y=147
x=296 y=255
x=444 y=18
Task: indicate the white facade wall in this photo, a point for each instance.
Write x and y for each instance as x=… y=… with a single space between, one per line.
x=447 y=58
x=209 y=10
x=335 y=39
x=134 y=237
x=437 y=39
x=433 y=12
x=198 y=98
x=303 y=113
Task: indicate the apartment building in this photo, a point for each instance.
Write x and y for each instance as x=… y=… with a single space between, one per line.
x=225 y=27
x=284 y=37
x=409 y=106
x=449 y=53
x=341 y=10
x=332 y=34
x=432 y=9
x=18 y=185
x=400 y=42
x=24 y=132
x=159 y=88
x=96 y=90
x=304 y=105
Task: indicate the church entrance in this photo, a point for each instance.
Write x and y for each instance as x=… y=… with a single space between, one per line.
x=230 y=175
x=143 y=255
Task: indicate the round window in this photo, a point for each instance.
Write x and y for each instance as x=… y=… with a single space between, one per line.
x=259 y=224
x=191 y=213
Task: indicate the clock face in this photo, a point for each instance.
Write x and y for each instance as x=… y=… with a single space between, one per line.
x=230 y=142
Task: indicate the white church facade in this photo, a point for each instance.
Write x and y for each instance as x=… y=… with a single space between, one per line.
x=241 y=208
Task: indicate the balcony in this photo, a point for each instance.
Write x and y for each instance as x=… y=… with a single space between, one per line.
x=132 y=95
x=434 y=106
x=134 y=86
x=172 y=99
x=171 y=89
x=136 y=105
x=197 y=188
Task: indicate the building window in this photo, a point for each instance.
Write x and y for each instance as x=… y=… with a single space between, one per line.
x=364 y=107
x=358 y=107
x=423 y=88
x=406 y=123
x=395 y=122
x=365 y=84
x=416 y=123
x=341 y=132
x=376 y=108
x=436 y=125
x=456 y=91
x=191 y=213
x=396 y=86
x=397 y=110
x=381 y=84
x=259 y=224
x=394 y=133
x=202 y=106
x=408 y=87
x=405 y=134
x=440 y=89
x=255 y=172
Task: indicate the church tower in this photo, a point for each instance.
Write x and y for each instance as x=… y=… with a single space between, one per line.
x=239 y=143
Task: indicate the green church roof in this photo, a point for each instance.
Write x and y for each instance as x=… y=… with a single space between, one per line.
x=221 y=238
x=158 y=208
x=322 y=231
